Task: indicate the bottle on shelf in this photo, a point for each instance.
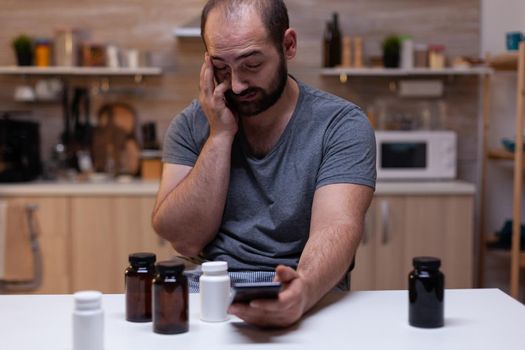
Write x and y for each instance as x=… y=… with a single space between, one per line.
x=335 y=45
x=346 y=60
x=407 y=53
x=327 y=40
x=358 y=52
x=332 y=43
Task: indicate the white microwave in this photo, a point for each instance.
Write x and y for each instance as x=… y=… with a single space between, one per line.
x=410 y=155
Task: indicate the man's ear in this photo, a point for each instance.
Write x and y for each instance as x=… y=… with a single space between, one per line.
x=290 y=43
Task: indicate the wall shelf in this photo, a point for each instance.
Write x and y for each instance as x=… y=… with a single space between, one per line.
x=80 y=71
x=187 y=32
x=500 y=154
x=398 y=72
x=192 y=29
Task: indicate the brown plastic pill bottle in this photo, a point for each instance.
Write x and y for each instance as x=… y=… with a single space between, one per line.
x=138 y=278
x=170 y=298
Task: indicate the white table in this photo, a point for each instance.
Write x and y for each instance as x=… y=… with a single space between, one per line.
x=474 y=319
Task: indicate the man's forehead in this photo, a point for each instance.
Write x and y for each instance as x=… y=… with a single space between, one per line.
x=234 y=32
x=242 y=35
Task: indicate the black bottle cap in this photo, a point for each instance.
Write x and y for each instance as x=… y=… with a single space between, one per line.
x=170 y=267
x=426 y=262
x=142 y=259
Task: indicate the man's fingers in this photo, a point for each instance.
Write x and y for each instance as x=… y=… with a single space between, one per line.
x=220 y=90
x=207 y=78
x=259 y=317
x=285 y=274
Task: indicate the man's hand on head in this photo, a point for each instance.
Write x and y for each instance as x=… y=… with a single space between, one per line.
x=280 y=313
x=213 y=101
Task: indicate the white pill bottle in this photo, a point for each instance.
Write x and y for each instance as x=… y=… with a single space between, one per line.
x=214 y=287
x=88 y=321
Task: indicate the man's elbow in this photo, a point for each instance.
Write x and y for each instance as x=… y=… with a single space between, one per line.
x=182 y=246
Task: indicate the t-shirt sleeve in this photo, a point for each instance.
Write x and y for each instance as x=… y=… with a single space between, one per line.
x=349 y=151
x=180 y=141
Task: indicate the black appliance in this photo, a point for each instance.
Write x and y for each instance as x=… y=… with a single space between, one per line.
x=19 y=150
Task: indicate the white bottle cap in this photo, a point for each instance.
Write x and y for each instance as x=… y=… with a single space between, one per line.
x=214 y=266
x=88 y=300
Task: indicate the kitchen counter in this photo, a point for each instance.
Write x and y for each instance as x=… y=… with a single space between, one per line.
x=149 y=188
x=474 y=319
x=110 y=188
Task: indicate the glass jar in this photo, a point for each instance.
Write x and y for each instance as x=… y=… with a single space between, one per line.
x=42 y=52
x=436 y=56
x=138 y=278
x=426 y=293
x=170 y=298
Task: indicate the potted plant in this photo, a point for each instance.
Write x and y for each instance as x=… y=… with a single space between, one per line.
x=23 y=46
x=391 y=51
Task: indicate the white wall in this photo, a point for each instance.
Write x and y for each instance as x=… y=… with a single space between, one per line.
x=497 y=18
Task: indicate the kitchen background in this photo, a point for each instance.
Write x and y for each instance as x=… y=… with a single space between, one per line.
x=466 y=28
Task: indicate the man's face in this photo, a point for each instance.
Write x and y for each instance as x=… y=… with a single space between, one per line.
x=242 y=53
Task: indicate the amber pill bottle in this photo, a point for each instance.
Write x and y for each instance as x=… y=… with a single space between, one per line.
x=138 y=278
x=170 y=298
x=426 y=293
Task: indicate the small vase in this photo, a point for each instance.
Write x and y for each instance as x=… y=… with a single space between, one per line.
x=391 y=61
x=24 y=58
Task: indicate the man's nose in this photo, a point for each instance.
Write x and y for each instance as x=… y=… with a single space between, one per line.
x=238 y=84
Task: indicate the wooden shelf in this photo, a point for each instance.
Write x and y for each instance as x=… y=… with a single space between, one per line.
x=187 y=32
x=515 y=62
x=192 y=29
x=506 y=254
x=80 y=71
x=394 y=72
x=500 y=154
x=506 y=61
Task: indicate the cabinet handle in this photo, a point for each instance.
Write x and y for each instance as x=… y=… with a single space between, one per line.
x=385 y=216
x=162 y=241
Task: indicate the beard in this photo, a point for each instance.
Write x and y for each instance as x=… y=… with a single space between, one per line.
x=265 y=99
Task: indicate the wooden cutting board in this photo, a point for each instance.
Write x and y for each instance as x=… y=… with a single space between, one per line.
x=115 y=136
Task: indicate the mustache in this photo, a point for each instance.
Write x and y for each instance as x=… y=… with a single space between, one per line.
x=248 y=91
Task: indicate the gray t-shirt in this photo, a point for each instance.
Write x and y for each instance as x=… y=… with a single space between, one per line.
x=266 y=218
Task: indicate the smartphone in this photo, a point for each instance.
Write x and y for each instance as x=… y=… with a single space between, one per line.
x=246 y=292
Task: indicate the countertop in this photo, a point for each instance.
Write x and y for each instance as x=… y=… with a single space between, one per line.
x=474 y=319
x=149 y=188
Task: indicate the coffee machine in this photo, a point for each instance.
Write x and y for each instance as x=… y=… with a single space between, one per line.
x=19 y=150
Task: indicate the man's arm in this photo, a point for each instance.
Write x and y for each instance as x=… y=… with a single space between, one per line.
x=337 y=223
x=190 y=201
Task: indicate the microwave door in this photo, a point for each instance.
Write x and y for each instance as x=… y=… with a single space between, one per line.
x=402 y=159
x=404 y=155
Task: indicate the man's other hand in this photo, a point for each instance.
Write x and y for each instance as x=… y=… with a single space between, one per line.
x=280 y=313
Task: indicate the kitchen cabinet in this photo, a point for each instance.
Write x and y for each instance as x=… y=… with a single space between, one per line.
x=104 y=231
x=53 y=235
x=400 y=227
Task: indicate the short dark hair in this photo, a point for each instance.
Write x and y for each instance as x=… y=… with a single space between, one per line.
x=274 y=16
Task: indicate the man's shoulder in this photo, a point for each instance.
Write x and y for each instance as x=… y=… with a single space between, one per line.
x=191 y=117
x=320 y=99
x=324 y=106
x=192 y=110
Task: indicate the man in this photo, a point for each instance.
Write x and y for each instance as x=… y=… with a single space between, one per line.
x=263 y=171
